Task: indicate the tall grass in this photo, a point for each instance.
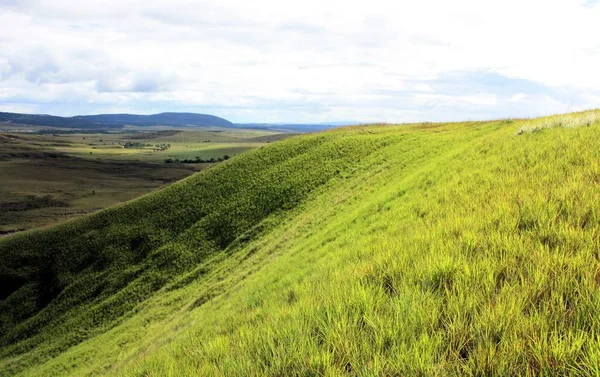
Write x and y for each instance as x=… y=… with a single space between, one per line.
x=441 y=249
x=572 y=120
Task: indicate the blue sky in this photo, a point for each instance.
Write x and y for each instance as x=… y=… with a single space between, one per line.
x=309 y=61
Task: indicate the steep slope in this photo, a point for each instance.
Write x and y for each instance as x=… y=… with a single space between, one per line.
x=434 y=249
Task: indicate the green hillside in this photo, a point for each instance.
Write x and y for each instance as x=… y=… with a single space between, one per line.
x=427 y=249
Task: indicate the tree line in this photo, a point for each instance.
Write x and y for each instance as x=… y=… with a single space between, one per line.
x=196 y=160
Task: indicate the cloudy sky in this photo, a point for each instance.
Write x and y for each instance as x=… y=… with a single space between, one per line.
x=301 y=61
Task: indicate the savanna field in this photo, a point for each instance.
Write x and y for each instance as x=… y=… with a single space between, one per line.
x=435 y=249
x=50 y=176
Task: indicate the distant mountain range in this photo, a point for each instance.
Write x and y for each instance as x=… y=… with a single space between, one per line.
x=117 y=120
x=109 y=121
x=293 y=127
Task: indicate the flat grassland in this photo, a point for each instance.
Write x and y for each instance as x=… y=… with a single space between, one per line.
x=50 y=177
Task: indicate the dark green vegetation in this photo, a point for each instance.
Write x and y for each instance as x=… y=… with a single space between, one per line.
x=46 y=178
x=198 y=160
x=433 y=249
x=32 y=202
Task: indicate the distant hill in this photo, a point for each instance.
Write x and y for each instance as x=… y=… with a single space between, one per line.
x=162 y=119
x=109 y=121
x=116 y=120
x=294 y=127
x=46 y=120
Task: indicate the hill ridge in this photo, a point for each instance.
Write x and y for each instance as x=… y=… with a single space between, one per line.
x=390 y=249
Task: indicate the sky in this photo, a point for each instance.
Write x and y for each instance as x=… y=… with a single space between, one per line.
x=301 y=61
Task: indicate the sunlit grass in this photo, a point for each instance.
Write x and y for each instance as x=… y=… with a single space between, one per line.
x=572 y=120
x=441 y=249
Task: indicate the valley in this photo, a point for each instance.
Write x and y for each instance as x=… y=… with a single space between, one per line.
x=51 y=175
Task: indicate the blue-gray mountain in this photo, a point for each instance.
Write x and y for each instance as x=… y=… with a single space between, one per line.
x=112 y=121
x=116 y=120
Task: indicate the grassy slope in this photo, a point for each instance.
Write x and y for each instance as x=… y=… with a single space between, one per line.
x=433 y=249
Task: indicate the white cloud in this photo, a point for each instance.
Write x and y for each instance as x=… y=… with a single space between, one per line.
x=518 y=97
x=315 y=60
